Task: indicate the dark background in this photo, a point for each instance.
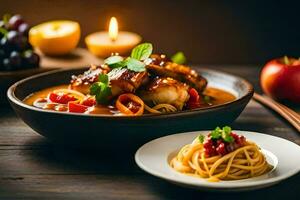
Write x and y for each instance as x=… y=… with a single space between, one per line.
x=209 y=32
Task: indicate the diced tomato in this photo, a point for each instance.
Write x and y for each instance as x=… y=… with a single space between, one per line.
x=221 y=149
x=63 y=99
x=194 y=100
x=77 y=108
x=89 y=102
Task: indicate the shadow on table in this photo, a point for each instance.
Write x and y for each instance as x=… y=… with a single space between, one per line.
x=121 y=162
x=84 y=161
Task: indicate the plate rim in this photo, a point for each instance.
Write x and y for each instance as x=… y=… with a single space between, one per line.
x=211 y=185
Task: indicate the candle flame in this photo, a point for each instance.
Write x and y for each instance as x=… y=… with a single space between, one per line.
x=113 y=29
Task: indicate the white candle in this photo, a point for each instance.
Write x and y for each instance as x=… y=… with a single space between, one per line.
x=104 y=43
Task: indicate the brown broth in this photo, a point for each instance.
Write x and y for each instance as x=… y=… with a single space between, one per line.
x=216 y=97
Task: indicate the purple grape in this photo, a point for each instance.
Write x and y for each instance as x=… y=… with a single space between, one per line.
x=2 y=54
x=6 y=64
x=17 y=40
x=1 y=66
x=3 y=42
x=5 y=45
x=24 y=29
x=15 y=21
x=31 y=59
x=23 y=44
x=13 y=37
x=15 y=59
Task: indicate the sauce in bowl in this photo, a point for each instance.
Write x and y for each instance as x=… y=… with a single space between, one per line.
x=212 y=97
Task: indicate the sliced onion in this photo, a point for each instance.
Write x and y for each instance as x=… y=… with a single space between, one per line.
x=133 y=98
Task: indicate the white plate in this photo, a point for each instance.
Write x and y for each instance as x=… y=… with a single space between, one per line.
x=284 y=155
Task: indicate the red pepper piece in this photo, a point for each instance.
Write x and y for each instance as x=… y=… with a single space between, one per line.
x=77 y=108
x=89 y=102
x=62 y=99
x=194 y=100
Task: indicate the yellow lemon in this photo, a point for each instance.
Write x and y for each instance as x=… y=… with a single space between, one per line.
x=55 y=37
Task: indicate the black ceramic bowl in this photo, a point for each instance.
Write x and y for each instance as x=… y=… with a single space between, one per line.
x=107 y=131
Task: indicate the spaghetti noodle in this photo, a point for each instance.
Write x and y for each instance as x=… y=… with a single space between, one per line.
x=245 y=161
x=161 y=108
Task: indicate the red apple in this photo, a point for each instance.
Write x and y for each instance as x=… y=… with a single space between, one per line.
x=280 y=79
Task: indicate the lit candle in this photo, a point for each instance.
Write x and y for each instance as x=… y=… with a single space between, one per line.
x=103 y=43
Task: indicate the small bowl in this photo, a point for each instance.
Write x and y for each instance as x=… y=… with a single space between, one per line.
x=107 y=131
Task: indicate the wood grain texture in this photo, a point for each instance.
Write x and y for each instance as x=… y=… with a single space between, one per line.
x=79 y=57
x=33 y=168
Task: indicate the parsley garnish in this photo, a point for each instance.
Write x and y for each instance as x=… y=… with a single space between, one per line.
x=101 y=89
x=201 y=138
x=216 y=134
x=224 y=133
x=135 y=61
x=179 y=58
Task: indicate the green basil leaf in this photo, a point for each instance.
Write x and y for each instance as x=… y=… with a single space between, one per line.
x=102 y=97
x=201 y=138
x=216 y=134
x=179 y=58
x=103 y=78
x=113 y=59
x=142 y=51
x=119 y=64
x=226 y=131
x=95 y=88
x=101 y=89
x=135 y=65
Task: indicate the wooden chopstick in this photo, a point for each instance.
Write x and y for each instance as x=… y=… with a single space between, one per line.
x=291 y=112
x=291 y=116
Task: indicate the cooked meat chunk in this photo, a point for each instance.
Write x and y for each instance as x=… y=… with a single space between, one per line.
x=121 y=79
x=166 y=90
x=82 y=82
x=179 y=72
x=159 y=59
x=124 y=80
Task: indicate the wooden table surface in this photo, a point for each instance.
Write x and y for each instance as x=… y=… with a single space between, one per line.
x=33 y=168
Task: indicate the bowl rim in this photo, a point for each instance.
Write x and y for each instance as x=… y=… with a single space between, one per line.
x=13 y=99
